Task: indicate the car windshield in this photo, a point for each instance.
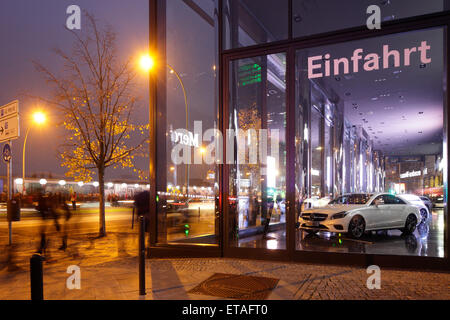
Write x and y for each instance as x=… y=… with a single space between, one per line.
x=352 y=199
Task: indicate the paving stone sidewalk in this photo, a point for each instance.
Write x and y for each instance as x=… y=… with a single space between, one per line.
x=173 y=278
x=109 y=271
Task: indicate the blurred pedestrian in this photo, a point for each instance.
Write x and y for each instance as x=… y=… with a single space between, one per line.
x=42 y=208
x=66 y=214
x=73 y=199
x=142 y=205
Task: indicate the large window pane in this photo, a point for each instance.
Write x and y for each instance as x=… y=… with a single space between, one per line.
x=250 y=22
x=257 y=146
x=377 y=106
x=318 y=16
x=187 y=183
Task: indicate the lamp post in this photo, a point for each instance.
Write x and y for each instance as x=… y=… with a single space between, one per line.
x=147 y=63
x=38 y=118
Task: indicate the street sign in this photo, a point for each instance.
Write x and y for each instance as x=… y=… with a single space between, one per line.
x=6 y=154
x=9 y=128
x=9 y=110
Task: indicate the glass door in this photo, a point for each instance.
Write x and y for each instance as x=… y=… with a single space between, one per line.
x=256 y=152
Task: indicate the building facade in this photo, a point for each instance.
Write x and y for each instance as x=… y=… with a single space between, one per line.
x=262 y=109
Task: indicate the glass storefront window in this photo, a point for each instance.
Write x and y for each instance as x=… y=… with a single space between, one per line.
x=186 y=183
x=250 y=22
x=257 y=145
x=381 y=99
x=314 y=17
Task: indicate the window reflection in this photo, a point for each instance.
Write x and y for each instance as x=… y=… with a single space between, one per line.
x=257 y=124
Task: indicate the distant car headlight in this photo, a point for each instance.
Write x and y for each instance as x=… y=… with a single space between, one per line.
x=339 y=215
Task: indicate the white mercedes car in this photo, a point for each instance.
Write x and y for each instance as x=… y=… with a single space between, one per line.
x=355 y=214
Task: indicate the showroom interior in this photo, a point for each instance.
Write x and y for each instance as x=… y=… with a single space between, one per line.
x=340 y=110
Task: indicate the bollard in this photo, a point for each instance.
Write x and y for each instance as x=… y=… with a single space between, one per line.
x=37 y=277
x=198 y=214
x=141 y=256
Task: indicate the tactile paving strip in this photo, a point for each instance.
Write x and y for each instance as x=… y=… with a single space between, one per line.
x=233 y=286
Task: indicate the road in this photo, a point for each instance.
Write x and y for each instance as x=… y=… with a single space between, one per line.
x=84 y=227
x=86 y=221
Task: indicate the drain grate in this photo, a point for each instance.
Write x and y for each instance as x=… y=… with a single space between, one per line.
x=233 y=286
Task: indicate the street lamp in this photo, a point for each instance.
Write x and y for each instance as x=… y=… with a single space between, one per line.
x=39 y=118
x=147 y=63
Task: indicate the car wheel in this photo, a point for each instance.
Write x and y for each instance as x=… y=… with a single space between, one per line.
x=424 y=214
x=410 y=224
x=356 y=227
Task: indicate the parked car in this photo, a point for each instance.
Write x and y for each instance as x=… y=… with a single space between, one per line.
x=438 y=202
x=414 y=200
x=355 y=214
x=427 y=202
x=177 y=205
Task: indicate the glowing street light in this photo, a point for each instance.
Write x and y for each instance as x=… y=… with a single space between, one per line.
x=43 y=182
x=39 y=117
x=80 y=184
x=96 y=184
x=62 y=182
x=147 y=62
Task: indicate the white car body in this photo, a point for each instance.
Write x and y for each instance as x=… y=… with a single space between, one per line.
x=381 y=217
x=416 y=201
x=315 y=202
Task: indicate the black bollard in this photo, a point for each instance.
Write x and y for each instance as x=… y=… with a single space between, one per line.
x=37 y=277
x=141 y=256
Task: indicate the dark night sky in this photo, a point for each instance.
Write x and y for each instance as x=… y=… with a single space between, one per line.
x=29 y=29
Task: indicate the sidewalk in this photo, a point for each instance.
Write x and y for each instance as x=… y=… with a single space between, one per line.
x=173 y=278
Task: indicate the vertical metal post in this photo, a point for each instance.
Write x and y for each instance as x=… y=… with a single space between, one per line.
x=9 y=183
x=141 y=256
x=36 y=277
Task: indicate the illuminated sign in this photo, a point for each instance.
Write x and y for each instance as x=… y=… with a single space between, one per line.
x=410 y=174
x=323 y=66
x=184 y=137
x=249 y=74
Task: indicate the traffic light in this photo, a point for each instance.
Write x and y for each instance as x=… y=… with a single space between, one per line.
x=186 y=229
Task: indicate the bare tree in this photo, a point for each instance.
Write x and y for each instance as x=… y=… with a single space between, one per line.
x=94 y=93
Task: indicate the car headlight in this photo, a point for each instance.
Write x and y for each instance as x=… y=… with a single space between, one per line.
x=339 y=215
